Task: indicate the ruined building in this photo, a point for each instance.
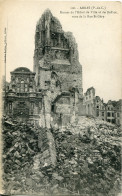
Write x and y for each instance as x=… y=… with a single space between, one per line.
x=57 y=68
x=94 y=106
x=44 y=157
x=22 y=101
x=53 y=92
x=56 y=56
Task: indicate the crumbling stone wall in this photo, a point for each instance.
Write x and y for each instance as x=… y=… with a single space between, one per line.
x=56 y=64
x=46 y=145
x=56 y=50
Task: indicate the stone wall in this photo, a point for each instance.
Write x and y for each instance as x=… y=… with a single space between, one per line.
x=46 y=145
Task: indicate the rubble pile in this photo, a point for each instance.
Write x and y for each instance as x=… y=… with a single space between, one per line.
x=20 y=145
x=84 y=159
x=29 y=160
x=88 y=157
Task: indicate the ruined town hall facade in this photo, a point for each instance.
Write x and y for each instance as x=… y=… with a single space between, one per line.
x=53 y=91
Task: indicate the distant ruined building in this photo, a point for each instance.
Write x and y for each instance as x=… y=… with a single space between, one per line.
x=94 y=106
x=52 y=94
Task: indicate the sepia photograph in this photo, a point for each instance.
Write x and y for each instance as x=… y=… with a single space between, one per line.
x=61 y=98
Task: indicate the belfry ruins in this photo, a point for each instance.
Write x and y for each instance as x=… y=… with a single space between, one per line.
x=56 y=93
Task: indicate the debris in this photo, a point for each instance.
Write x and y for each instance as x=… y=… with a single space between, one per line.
x=88 y=159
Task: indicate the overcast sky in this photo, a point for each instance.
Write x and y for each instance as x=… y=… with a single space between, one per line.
x=98 y=41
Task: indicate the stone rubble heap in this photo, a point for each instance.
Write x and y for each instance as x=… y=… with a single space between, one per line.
x=89 y=160
x=20 y=145
x=86 y=157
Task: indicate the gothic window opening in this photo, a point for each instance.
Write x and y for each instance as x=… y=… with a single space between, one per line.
x=54 y=37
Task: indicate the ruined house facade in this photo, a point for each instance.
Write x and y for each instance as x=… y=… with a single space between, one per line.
x=95 y=106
